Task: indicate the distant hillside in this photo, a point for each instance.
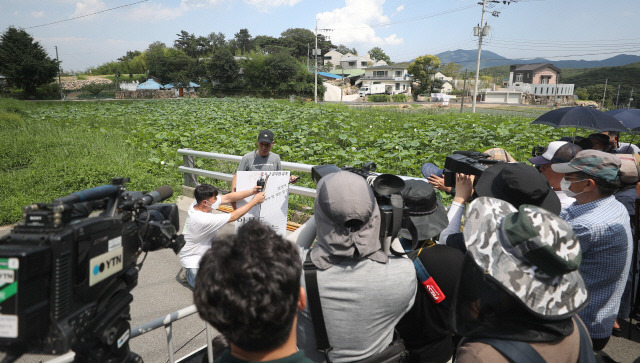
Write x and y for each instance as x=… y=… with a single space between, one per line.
x=467 y=58
x=628 y=75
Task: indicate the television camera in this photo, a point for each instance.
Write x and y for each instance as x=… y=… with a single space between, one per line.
x=387 y=189
x=66 y=277
x=465 y=162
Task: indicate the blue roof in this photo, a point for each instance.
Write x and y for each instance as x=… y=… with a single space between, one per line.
x=170 y=85
x=150 y=84
x=330 y=75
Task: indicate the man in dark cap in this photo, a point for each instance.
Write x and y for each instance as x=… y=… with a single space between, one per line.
x=261 y=159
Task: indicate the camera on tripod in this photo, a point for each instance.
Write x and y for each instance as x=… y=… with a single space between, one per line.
x=66 y=276
x=465 y=162
x=387 y=189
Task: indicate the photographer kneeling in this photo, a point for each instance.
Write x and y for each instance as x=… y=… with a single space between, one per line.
x=363 y=292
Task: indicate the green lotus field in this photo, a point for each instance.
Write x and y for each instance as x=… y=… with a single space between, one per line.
x=50 y=149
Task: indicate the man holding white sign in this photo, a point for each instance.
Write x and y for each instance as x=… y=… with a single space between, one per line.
x=261 y=159
x=201 y=225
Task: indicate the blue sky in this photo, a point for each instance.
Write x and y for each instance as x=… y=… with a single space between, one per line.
x=404 y=29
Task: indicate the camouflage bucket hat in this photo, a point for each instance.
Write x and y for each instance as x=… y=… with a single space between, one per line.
x=531 y=253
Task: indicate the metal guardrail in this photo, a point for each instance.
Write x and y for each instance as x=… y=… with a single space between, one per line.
x=190 y=171
x=166 y=322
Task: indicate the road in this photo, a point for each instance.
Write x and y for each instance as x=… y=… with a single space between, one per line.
x=333 y=94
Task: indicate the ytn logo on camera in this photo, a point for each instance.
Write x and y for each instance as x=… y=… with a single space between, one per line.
x=105 y=265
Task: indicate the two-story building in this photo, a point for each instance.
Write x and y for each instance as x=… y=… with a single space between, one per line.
x=355 y=62
x=536 y=83
x=395 y=79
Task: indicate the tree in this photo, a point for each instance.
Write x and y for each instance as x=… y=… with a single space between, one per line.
x=423 y=69
x=269 y=45
x=279 y=68
x=451 y=69
x=344 y=50
x=377 y=54
x=216 y=41
x=243 y=40
x=299 y=40
x=24 y=62
x=222 y=67
x=187 y=43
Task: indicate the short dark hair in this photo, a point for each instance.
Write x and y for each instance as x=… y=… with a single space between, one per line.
x=605 y=188
x=248 y=286
x=204 y=191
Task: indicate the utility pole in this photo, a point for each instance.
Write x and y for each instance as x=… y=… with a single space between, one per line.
x=481 y=31
x=630 y=98
x=604 y=94
x=556 y=98
x=618 y=96
x=464 y=89
x=59 y=79
x=308 y=69
x=316 y=52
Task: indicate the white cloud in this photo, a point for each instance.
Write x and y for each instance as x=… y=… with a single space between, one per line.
x=37 y=14
x=154 y=12
x=266 y=5
x=353 y=23
x=393 y=40
x=86 y=7
x=191 y=4
x=400 y=8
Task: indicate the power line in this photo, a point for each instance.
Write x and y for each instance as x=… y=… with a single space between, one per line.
x=84 y=16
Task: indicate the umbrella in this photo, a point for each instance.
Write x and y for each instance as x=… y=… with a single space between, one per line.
x=580 y=117
x=630 y=117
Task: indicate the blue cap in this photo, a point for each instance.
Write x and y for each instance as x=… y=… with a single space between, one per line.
x=429 y=169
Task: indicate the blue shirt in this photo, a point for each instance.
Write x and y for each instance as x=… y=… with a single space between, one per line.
x=603 y=229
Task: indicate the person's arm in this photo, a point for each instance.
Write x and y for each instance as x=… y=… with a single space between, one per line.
x=258 y=198
x=305 y=234
x=464 y=191
x=235 y=196
x=438 y=183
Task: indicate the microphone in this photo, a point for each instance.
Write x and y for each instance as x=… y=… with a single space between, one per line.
x=100 y=192
x=155 y=196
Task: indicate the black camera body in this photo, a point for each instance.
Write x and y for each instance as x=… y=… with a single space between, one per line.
x=465 y=162
x=66 y=277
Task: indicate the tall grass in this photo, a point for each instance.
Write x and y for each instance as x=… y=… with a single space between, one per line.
x=41 y=160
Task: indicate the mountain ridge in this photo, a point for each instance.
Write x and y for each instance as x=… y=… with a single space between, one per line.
x=467 y=58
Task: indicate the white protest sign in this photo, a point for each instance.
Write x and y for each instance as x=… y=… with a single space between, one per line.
x=273 y=211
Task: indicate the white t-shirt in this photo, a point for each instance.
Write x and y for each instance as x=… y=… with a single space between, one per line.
x=565 y=200
x=199 y=230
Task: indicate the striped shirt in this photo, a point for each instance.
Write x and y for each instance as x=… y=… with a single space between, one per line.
x=604 y=232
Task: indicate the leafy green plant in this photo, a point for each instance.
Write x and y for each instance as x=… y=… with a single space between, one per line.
x=400 y=97
x=379 y=98
x=69 y=146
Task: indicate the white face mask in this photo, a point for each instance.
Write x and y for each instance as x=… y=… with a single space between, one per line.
x=215 y=205
x=565 y=184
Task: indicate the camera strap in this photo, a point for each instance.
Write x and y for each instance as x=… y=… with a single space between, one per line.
x=315 y=307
